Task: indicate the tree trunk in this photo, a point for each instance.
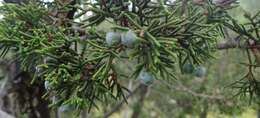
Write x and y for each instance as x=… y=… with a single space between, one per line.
x=42 y=107
x=18 y=95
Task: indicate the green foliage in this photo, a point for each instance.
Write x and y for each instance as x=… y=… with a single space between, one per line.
x=248 y=33
x=82 y=71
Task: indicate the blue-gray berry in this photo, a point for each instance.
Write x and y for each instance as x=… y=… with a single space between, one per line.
x=200 y=71
x=188 y=68
x=129 y=39
x=113 y=38
x=146 y=78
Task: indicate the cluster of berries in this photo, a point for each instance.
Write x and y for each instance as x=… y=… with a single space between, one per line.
x=199 y=71
x=128 y=39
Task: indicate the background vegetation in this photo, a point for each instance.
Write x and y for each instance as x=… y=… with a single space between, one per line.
x=186 y=95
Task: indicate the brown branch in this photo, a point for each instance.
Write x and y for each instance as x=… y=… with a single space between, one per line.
x=230 y=44
x=140 y=103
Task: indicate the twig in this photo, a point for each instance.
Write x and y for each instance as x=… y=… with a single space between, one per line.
x=120 y=104
x=140 y=102
x=236 y=44
x=183 y=88
x=183 y=7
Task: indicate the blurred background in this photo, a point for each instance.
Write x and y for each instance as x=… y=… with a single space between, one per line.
x=188 y=96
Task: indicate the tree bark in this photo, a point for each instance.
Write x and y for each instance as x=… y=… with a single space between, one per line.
x=230 y=44
x=28 y=96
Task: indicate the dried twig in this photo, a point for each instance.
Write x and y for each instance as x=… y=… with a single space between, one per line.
x=121 y=103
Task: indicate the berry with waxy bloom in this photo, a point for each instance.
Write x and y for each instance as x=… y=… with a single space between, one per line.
x=129 y=39
x=188 y=68
x=200 y=71
x=146 y=77
x=113 y=38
